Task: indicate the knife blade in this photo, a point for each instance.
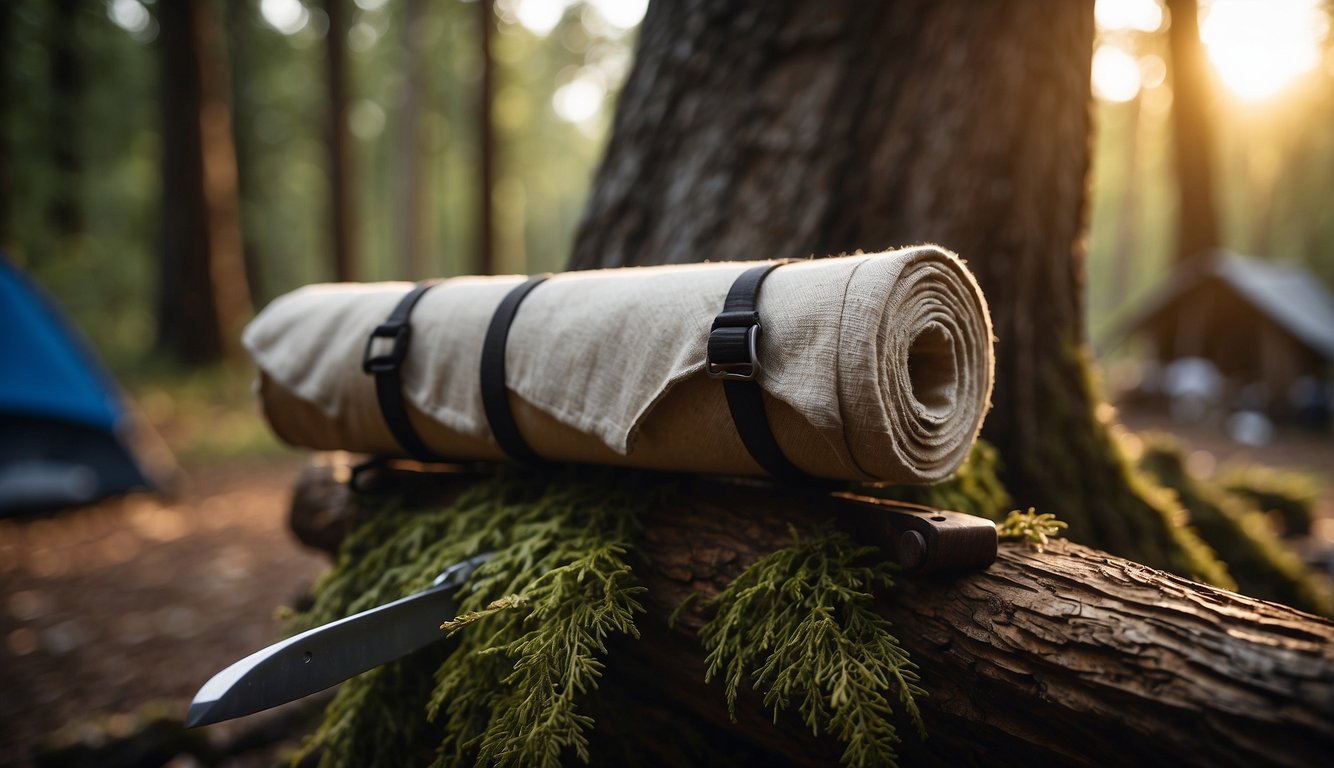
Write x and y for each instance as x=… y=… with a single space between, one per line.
x=329 y=654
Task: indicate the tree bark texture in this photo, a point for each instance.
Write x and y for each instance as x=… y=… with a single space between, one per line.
x=7 y=13
x=239 y=19
x=65 y=209
x=777 y=128
x=1192 y=132
x=203 y=298
x=486 y=140
x=1072 y=656
x=413 y=161
x=342 y=210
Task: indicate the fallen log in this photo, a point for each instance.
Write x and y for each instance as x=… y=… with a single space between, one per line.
x=1070 y=656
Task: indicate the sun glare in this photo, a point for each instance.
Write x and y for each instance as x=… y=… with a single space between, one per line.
x=1116 y=74
x=1260 y=48
x=286 y=16
x=1139 y=15
x=542 y=16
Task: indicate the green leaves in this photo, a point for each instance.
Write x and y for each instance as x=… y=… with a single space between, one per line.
x=800 y=624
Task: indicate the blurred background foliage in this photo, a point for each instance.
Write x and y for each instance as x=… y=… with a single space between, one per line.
x=83 y=147
x=558 y=66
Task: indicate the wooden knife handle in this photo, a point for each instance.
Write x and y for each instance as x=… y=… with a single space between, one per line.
x=923 y=539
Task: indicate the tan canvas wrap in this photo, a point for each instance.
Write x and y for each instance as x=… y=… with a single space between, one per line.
x=876 y=367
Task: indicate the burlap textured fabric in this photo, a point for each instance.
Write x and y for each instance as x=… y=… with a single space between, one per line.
x=875 y=367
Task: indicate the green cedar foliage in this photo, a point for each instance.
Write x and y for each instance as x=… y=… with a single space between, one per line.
x=538 y=664
x=800 y=625
x=533 y=623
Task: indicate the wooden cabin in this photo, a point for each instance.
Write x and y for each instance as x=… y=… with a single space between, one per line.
x=1258 y=322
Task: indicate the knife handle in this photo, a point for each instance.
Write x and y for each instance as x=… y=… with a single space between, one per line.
x=923 y=539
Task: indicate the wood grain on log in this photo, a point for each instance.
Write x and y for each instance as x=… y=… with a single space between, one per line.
x=1069 y=656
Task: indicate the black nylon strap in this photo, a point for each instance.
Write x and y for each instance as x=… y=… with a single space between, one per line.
x=495 y=397
x=732 y=358
x=386 y=365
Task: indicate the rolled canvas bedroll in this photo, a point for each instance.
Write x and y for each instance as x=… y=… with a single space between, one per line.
x=873 y=367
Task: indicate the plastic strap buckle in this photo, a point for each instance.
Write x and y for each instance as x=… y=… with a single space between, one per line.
x=732 y=354
x=381 y=360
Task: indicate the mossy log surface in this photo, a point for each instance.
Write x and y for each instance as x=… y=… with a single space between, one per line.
x=1071 y=656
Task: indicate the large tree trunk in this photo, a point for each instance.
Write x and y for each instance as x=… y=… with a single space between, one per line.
x=7 y=14
x=65 y=209
x=342 y=210
x=486 y=140
x=1072 y=656
x=240 y=21
x=1192 y=132
x=413 y=176
x=777 y=128
x=203 y=298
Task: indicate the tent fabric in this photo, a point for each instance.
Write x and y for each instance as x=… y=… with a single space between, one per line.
x=875 y=367
x=61 y=418
x=47 y=465
x=47 y=370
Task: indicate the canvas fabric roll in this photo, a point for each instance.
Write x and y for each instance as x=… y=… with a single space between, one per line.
x=875 y=367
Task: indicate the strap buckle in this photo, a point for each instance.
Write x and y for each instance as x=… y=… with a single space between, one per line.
x=383 y=360
x=732 y=347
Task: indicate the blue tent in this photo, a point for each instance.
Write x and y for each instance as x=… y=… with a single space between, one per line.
x=62 y=422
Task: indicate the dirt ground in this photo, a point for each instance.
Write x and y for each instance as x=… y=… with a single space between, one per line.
x=132 y=605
